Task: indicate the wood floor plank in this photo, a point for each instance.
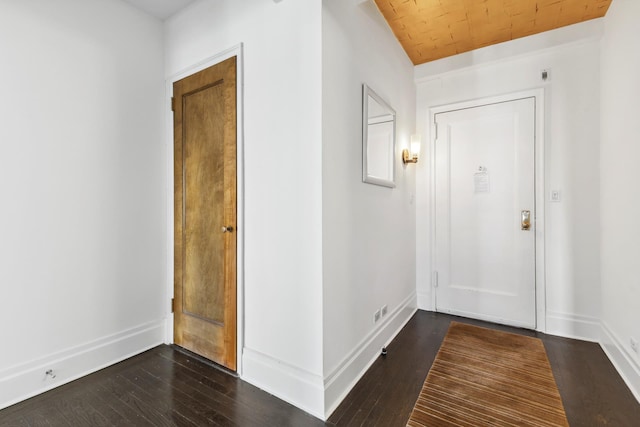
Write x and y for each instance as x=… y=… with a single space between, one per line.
x=200 y=388
x=206 y=414
x=114 y=417
x=47 y=415
x=21 y=422
x=197 y=386
x=164 y=398
x=121 y=389
x=15 y=421
x=218 y=380
x=598 y=387
x=113 y=400
x=171 y=398
x=250 y=404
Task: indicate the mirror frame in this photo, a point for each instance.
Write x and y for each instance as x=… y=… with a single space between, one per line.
x=366 y=177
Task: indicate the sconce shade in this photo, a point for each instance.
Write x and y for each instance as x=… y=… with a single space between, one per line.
x=415 y=145
x=412 y=157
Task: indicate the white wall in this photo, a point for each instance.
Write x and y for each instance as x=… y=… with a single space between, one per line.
x=572 y=100
x=82 y=253
x=619 y=177
x=368 y=230
x=84 y=250
x=282 y=181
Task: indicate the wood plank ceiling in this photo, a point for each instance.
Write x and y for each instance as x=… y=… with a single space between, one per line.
x=434 y=29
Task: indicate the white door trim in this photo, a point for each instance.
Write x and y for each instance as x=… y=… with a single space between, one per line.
x=538 y=94
x=236 y=51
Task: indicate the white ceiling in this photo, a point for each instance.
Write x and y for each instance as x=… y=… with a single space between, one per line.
x=161 y=9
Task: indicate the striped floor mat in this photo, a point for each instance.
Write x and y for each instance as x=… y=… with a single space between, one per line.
x=483 y=377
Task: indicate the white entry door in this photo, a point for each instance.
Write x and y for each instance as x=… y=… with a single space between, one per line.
x=485 y=212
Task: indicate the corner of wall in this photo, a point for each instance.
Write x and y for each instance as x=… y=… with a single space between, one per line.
x=573 y=326
x=309 y=391
x=339 y=382
x=21 y=382
x=621 y=360
x=424 y=301
x=289 y=383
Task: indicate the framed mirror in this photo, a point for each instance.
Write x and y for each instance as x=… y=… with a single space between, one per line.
x=378 y=140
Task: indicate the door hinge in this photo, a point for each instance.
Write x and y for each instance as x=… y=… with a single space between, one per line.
x=435 y=279
x=173 y=305
x=173 y=104
x=436 y=125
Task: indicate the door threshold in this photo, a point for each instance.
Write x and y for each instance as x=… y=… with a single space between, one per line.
x=204 y=360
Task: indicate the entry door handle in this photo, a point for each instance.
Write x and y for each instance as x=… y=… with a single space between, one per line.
x=227 y=229
x=525 y=220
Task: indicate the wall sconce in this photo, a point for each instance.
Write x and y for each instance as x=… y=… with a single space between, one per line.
x=412 y=157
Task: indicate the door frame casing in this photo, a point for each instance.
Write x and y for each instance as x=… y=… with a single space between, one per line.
x=236 y=51
x=539 y=95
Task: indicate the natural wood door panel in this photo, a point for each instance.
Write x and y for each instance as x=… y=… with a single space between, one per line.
x=205 y=213
x=203 y=138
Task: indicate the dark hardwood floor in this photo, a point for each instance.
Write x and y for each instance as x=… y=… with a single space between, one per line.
x=592 y=392
x=166 y=387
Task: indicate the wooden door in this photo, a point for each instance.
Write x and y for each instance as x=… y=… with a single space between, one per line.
x=485 y=182
x=205 y=213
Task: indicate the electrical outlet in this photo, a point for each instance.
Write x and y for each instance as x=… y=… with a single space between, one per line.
x=383 y=310
x=634 y=344
x=376 y=316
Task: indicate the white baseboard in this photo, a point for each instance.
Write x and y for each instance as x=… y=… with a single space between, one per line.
x=624 y=363
x=300 y=388
x=26 y=380
x=345 y=376
x=424 y=301
x=573 y=326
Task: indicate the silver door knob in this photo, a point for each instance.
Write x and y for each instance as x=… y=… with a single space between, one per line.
x=227 y=229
